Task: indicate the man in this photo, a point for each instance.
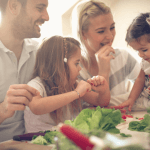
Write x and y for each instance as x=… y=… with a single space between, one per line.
x=20 y=21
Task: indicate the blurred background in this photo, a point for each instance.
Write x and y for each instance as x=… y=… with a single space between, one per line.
x=124 y=11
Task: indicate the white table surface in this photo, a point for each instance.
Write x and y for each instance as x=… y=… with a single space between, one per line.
x=140 y=138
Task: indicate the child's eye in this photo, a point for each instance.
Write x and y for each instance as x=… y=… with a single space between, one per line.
x=144 y=50
x=77 y=64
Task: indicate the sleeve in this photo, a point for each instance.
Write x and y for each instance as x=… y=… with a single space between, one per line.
x=37 y=85
x=132 y=67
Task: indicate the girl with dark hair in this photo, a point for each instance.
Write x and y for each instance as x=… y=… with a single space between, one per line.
x=55 y=74
x=138 y=37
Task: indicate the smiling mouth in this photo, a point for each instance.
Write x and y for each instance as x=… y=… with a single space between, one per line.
x=108 y=43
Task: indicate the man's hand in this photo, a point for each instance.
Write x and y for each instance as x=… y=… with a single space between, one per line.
x=17 y=97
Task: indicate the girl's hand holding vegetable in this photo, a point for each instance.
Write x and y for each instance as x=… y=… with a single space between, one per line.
x=98 y=83
x=83 y=87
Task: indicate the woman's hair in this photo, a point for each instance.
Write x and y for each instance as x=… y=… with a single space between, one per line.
x=51 y=67
x=3 y=4
x=81 y=15
x=140 y=26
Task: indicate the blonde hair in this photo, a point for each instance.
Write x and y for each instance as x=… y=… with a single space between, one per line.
x=52 y=69
x=81 y=14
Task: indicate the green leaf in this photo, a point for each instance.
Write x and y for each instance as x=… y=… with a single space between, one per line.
x=40 y=141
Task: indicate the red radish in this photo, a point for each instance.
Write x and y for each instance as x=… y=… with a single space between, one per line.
x=140 y=118
x=77 y=137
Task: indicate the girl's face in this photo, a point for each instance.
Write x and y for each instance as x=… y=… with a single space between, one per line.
x=143 y=47
x=101 y=32
x=73 y=63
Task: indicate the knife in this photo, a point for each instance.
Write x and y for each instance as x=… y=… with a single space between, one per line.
x=27 y=136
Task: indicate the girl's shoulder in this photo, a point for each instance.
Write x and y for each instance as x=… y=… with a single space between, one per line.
x=35 y=80
x=37 y=84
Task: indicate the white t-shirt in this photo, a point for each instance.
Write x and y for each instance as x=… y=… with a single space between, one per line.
x=36 y=123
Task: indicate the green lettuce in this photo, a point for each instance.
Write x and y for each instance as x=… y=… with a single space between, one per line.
x=99 y=119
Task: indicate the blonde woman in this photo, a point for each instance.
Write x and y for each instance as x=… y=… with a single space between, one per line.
x=95 y=28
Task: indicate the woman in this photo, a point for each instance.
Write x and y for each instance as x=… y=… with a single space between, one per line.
x=96 y=32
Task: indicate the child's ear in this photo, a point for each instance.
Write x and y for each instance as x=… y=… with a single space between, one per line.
x=14 y=6
x=84 y=35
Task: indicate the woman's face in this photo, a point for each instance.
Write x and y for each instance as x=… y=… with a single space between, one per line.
x=101 y=31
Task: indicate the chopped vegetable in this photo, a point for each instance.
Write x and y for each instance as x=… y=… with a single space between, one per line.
x=140 y=125
x=49 y=136
x=125 y=135
x=39 y=140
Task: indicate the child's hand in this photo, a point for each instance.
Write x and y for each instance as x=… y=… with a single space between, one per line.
x=83 y=87
x=128 y=103
x=98 y=83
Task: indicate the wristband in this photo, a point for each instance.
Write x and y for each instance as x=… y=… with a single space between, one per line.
x=77 y=93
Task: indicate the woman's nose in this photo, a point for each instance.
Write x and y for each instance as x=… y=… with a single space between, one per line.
x=109 y=35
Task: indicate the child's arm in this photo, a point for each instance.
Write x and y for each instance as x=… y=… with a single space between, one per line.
x=42 y=105
x=102 y=95
x=136 y=90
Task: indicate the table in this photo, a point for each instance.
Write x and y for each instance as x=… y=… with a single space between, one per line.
x=140 y=138
x=16 y=145
x=137 y=137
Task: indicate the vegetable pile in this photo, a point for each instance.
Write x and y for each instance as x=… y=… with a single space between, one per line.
x=142 y=125
x=99 y=119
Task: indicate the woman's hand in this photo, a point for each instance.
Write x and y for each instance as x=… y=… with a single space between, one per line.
x=83 y=87
x=98 y=83
x=103 y=57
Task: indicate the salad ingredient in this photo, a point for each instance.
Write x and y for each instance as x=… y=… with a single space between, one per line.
x=39 y=140
x=77 y=137
x=140 y=125
x=99 y=119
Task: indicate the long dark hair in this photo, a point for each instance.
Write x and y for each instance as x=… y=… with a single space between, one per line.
x=139 y=27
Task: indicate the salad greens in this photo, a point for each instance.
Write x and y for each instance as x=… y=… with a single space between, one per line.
x=47 y=139
x=39 y=140
x=140 y=125
x=99 y=119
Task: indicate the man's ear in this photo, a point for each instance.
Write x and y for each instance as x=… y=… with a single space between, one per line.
x=14 y=6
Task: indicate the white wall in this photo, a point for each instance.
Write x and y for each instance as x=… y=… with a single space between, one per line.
x=124 y=11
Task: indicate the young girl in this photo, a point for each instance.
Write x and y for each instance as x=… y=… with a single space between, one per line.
x=55 y=74
x=138 y=37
